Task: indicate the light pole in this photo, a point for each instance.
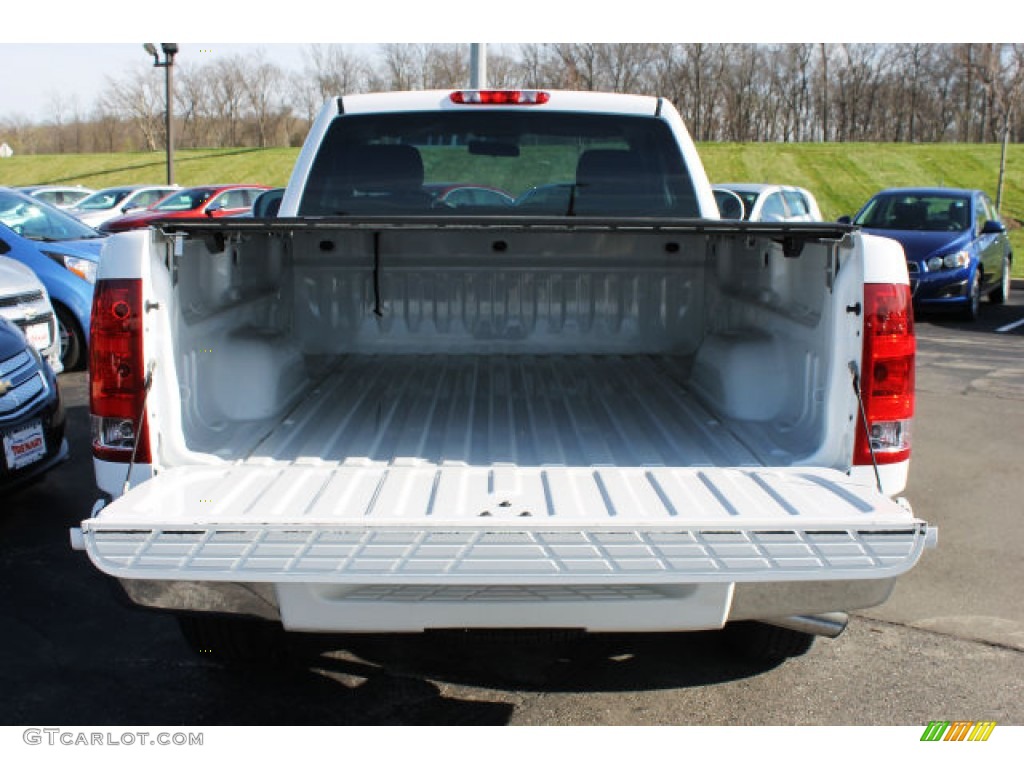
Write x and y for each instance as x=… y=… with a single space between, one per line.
x=478 y=65
x=169 y=49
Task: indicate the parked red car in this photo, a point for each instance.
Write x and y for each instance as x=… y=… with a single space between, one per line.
x=215 y=201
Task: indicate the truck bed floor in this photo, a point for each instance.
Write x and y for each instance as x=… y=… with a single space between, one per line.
x=518 y=410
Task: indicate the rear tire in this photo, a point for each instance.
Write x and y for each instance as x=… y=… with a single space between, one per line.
x=235 y=641
x=1001 y=294
x=764 y=642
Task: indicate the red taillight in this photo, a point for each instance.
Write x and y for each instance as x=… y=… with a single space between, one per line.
x=887 y=374
x=117 y=376
x=500 y=97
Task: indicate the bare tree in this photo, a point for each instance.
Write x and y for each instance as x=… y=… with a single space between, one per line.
x=446 y=66
x=262 y=85
x=534 y=65
x=57 y=112
x=624 y=66
x=825 y=106
x=139 y=99
x=107 y=124
x=702 y=67
x=21 y=133
x=503 y=70
x=333 y=70
x=193 y=100
x=403 y=66
x=733 y=92
x=580 y=63
x=228 y=77
x=743 y=117
x=666 y=75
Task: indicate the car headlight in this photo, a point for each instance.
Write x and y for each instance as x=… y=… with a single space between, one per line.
x=84 y=268
x=957 y=260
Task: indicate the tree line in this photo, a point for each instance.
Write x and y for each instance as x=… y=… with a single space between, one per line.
x=799 y=92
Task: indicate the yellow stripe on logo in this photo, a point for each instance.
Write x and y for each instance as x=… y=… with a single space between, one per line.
x=982 y=730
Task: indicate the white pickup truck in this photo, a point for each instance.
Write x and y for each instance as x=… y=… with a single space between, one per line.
x=498 y=363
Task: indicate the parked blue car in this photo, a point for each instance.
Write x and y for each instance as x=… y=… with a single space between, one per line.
x=956 y=246
x=64 y=253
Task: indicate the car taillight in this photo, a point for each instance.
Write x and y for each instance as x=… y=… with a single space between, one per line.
x=887 y=374
x=500 y=97
x=117 y=376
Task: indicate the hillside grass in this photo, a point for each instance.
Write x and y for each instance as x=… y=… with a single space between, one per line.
x=841 y=176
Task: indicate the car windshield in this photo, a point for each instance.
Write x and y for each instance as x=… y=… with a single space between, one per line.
x=103 y=200
x=555 y=164
x=35 y=220
x=749 y=200
x=911 y=211
x=186 y=200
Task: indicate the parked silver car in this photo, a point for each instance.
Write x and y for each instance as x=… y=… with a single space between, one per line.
x=109 y=203
x=24 y=301
x=56 y=195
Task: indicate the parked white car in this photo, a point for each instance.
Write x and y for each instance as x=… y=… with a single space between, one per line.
x=24 y=301
x=775 y=202
x=112 y=202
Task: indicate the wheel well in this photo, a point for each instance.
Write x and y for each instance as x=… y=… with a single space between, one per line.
x=67 y=313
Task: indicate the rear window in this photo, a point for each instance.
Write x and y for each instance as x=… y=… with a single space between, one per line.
x=499 y=162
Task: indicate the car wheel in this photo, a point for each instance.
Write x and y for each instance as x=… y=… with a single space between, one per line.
x=765 y=642
x=973 y=308
x=1001 y=294
x=233 y=640
x=72 y=340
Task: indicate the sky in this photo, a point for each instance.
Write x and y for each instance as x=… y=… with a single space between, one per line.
x=51 y=71
x=80 y=47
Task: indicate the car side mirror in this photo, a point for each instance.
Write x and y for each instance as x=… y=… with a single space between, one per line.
x=129 y=207
x=730 y=205
x=991 y=227
x=214 y=208
x=4 y=247
x=844 y=220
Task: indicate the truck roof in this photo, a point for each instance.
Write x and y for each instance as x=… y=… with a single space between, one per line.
x=432 y=100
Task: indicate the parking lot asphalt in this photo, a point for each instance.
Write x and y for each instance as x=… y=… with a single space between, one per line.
x=949 y=644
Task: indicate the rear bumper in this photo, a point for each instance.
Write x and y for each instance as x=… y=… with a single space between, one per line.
x=317 y=608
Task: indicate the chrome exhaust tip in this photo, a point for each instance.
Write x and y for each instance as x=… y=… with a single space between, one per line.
x=822 y=624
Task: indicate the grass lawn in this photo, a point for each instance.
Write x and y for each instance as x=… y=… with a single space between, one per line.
x=841 y=176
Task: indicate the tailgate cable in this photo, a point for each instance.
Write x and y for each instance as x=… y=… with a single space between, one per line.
x=376 y=275
x=864 y=421
x=138 y=433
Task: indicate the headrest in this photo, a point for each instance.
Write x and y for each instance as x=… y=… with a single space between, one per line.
x=383 y=167
x=603 y=166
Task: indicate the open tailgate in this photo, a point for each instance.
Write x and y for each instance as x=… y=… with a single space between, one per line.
x=360 y=523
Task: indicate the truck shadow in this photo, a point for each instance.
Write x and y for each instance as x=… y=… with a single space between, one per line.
x=448 y=680
x=530 y=663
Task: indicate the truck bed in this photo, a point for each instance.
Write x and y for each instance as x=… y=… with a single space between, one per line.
x=524 y=411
